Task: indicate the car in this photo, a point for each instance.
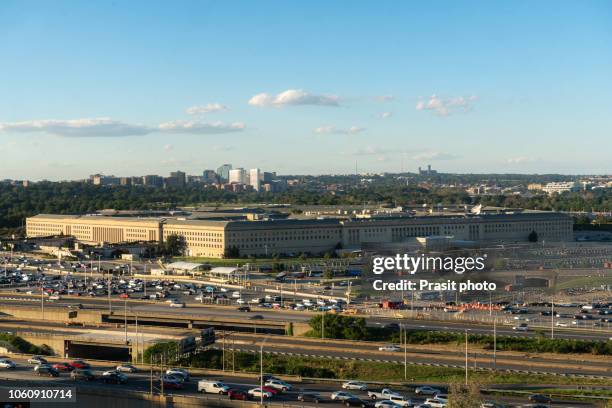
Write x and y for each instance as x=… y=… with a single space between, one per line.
x=177 y=304
x=355 y=385
x=436 y=402
x=212 y=387
x=240 y=301
x=37 y=360
x=355 y=402
x=256 y=317
x=178 y=372
x=384 y=394
x=7 y=364
x=79 y=364
x=310 y=397
x=387 y=404
x=171 y=382
x=521 y=327
x=426 y=390
x=389 y=347
x=126 y=368
x=82 y=374
x=46 y=370
x=279 y=385
x=560 y=324
x=491 y=404
x=244 y=309
x=258 y=393
x=237 y=395
x=114 y=377
x=75 y=306
x=124 y=296
x=63 y=367
x=540 y=398
x=341 y=395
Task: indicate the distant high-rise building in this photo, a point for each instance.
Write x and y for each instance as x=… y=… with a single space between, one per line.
x=238 y=176
x=223 y=172
x=178 y=178
x=209 y=176
x=152 y=180
x=255 y=178
x=125 y=181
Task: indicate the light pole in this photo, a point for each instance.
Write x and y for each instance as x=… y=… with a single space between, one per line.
x=495 y=344
x=552 y=318
x=466 y=357
x=261 y=391
x=125 y=321
x=323 y=325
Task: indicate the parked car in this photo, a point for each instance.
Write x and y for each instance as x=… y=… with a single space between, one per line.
x=82 y=374
x=354 y=385
x=238 y=395
x=436 y=402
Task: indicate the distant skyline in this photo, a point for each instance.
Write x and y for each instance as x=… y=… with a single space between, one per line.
x=311 y=87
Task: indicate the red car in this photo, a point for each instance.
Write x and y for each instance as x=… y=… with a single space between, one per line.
x=238 y=395
x=124 y=296
x=271 y=390
x=79 y=364
x=171 y=383
x=63 y=367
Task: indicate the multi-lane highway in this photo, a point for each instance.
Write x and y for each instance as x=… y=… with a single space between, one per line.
x=141 y=381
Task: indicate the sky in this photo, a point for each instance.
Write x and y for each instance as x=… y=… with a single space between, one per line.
x=304 y=87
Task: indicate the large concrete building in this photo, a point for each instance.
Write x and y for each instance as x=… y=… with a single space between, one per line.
x=212 y=238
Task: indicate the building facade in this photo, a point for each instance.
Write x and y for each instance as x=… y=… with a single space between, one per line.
x=217 y=239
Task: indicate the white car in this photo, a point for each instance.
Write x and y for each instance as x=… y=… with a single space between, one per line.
x=427 y=390
x=390 y=347
x=355 y=385
x=177 y=304
x=436 y=402
x=387 y=404
x=256 y=392
x=126 y=368
x=240 y=301
x=178 y=372
x=6 y=363
x=521 y=327
x=236 y=295
x=341 y=396
x=279 y=385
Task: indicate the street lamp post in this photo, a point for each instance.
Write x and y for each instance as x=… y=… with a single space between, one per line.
x=261 y=391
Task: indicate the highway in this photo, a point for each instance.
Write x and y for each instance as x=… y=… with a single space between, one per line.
x=101 y=303
x=141 y=381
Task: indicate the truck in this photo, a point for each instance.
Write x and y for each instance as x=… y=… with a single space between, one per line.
x=384 y=394
x=212 y=387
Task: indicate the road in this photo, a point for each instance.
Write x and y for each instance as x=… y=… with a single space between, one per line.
x=142 y=382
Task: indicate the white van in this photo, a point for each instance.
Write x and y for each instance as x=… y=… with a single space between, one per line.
x=212 y=387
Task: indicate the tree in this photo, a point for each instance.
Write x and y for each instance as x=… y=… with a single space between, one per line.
x=174 y=245
x=339 y=327
x=461 y=395
x=533 y=236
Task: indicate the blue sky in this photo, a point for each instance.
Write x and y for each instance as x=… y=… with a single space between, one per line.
x=304 y=87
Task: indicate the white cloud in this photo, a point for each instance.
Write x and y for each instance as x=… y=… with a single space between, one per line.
x=445 y=107
x=328 y=130
x=518 y=160
x=200 y=128
x=372 y=151
x=293 y=97
x=203 y=109
x=168 y=147
x=435 y=156
x=385 y=115
x=97 y=127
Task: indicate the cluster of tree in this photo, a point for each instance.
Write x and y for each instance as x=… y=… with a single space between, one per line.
x=17 y=203
x=335 y=326
x=17 y=344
